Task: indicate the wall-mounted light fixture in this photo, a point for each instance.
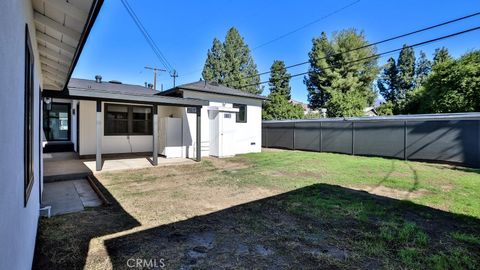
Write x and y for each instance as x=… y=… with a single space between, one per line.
x=48 y=102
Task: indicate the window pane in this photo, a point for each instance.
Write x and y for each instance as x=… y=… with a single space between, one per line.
x=242 y=113
x=141 y=113
x=117 y=112
x=142 y=127
x=116 y=127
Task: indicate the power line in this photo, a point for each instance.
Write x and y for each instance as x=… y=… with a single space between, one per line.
x=377 y=55
x=380 y=42
x=306 y=25
x=295 y=30
x=147 y=36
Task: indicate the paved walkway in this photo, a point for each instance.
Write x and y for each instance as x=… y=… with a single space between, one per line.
x=69 y=196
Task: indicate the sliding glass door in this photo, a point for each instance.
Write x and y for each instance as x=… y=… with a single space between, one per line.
x=56 y=122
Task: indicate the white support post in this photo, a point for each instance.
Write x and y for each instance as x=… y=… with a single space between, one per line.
x=199 y=134
x=99 y=136
x=155 y=135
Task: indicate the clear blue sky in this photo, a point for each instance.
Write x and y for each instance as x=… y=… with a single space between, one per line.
x=184 y=31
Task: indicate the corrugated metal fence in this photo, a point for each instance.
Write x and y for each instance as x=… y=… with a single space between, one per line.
x=451 y=138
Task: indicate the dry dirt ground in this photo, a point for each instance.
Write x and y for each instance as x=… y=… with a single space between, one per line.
x=205 y=216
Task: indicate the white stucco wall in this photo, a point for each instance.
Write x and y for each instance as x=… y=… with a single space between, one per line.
x=110 y=144
x=245 y=133
x=247 y=138
x=18 y=224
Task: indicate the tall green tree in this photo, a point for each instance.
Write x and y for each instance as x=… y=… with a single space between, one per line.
x=406 y=72
x=423 y=68
x=336 y=79
x=453 y=85
x=279 y=106
x=230 y=63
x=441 y=55
x=214 y=68
x=279 y=81
x=388 y=82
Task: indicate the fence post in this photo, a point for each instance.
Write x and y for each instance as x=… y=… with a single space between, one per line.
x=353 y=138
x=293 y=143
x=321 y=137
x=405 y=140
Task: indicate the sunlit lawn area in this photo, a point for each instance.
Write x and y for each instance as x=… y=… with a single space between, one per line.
x=276 y=209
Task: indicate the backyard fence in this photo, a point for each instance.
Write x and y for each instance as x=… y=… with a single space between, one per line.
x=453 y=138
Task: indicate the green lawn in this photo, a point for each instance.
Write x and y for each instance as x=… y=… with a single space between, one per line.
x=276 y=209
x=454 y=189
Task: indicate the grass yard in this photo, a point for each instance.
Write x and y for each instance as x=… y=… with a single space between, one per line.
x=276 y=209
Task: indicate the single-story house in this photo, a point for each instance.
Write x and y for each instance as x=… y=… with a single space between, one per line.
x=42 y=108
x=129 y=118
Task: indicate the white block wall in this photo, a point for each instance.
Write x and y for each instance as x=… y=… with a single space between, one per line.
x=18 y=224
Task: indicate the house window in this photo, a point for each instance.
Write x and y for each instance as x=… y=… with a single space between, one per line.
x=242 y=113
x=28 y=119
x=128 y=120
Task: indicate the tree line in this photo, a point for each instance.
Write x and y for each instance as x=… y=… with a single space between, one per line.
x=344 y=77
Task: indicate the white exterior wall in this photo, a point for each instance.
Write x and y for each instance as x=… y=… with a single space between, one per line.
x=110 y=144
x=245 y=133
x=18 y=224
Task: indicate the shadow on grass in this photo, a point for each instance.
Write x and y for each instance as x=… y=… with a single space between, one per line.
x=319 y=226
x=63 y=241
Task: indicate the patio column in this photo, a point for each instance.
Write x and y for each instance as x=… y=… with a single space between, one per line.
x=155 y=135
x=199 y=134
x=99 y=136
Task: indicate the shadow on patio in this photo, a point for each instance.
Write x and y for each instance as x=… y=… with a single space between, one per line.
x=319 y=226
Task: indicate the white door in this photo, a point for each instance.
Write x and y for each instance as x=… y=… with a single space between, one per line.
x=227 y=131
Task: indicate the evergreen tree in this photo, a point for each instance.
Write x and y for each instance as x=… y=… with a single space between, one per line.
x=337 y=80
x=441 y=55
x=279 y=81
x=453 y=85
x=388 y=82
x=215 y=65
x=406 y=72
x=231 y=64
x=279 y=106
x=423 y=68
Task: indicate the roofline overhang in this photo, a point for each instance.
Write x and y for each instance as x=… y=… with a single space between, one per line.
x=176 y=89
x=88 y=94
x=92 y=16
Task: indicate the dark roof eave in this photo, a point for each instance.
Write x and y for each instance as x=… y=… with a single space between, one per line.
x=89 y=94
x=92 y=16
x=173 y=90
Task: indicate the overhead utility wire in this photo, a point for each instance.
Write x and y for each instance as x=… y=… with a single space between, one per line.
x=147 y=36
x=377 y=55
x=381 y=41
x=307 y=25
x=295 y=30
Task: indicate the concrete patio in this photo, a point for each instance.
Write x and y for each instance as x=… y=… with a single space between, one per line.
x=69 y=196
x=68 y=165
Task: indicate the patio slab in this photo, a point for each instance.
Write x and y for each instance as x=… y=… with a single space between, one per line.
x=69 y=196
x=135 y=163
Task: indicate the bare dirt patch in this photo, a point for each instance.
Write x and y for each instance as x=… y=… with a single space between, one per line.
x=391 y=192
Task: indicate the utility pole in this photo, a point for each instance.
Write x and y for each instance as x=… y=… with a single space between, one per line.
x=155 y=75
x=174 y=75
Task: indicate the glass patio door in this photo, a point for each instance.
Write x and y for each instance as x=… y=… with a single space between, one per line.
x=56 y=122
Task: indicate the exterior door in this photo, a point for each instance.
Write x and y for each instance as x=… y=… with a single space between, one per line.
x=56 y=122
x=227 y=131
